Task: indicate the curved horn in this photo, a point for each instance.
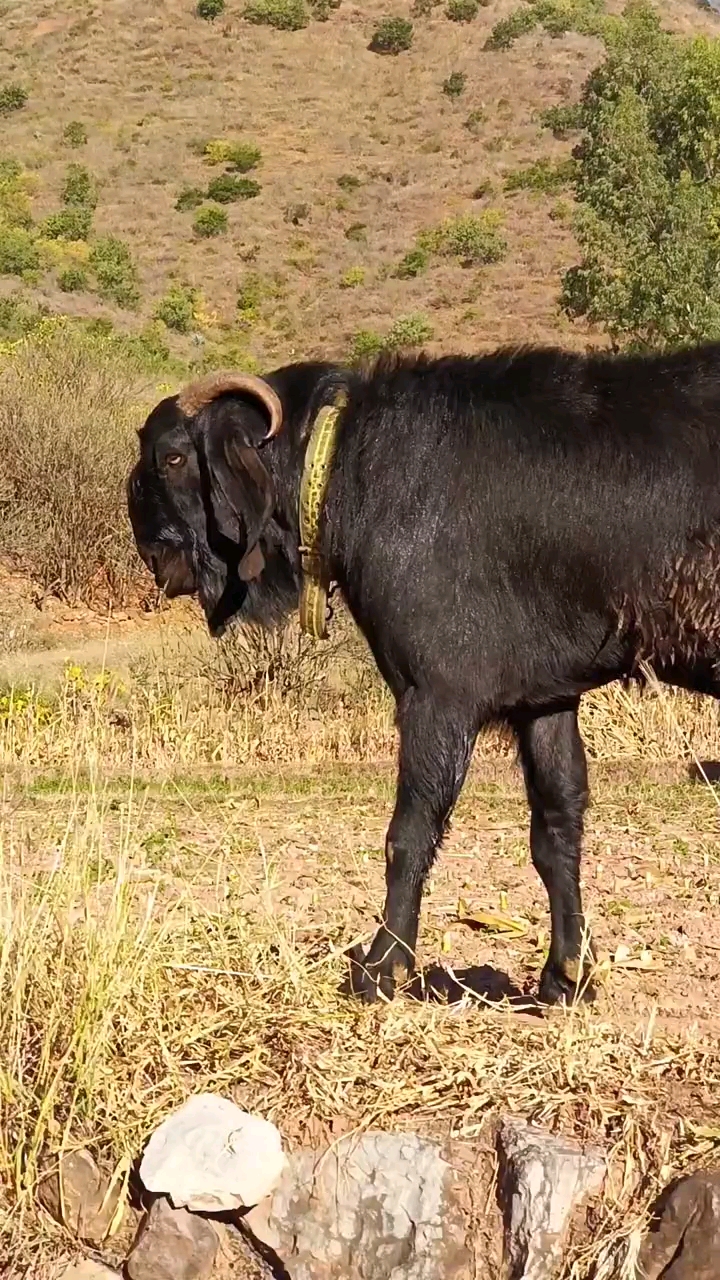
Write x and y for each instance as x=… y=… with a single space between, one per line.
x=198 y=394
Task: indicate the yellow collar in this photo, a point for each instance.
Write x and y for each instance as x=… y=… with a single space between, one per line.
x=313 y=491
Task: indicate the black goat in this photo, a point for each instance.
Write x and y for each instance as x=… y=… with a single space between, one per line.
x=508 y=532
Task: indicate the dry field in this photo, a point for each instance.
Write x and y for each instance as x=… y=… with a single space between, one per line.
x=191 y=835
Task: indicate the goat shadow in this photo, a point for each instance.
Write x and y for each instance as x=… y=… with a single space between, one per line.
x=480 y=984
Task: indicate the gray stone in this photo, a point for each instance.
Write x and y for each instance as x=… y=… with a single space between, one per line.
x=378 y=1206
x=684 y=1243
x=174 y=1245
x=210 y=1156
x=89 y=1270
x=78 y=1195
x=541 y=1179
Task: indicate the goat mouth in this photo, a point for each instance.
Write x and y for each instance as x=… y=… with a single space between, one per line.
x=173 y=573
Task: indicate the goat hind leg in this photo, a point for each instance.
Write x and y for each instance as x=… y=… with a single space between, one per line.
x=436 y=743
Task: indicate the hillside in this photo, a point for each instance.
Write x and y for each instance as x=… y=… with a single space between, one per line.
x=360 y=153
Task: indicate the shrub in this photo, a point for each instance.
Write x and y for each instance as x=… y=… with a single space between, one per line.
x=475 y=121
x=474 y=238
x=240 y=157
x=18 y=318
x=508 y=30
x=12 y=98
x=413 y=264
x=227 y=187
x=14 y=200
x=68 y=412
x=454 y=86
x=462 y=10
x=177 y=308
x=356 y=231
x=648 y=186
x=210 y=221
x=250 y=296
x=75 y=134
x=409 y=331
x=545 y=176
x=79 y=187
x=18 y=251
x=562 y=119
x=68 y=224
x=283 y=15
x=209 y=9
x=423 y=8
x=366 y=345
x=73 y=280
x=189 y=198
x=392 y=36
x=115 y=272
x=353 y=278
x=321 y=9
x=348 y=182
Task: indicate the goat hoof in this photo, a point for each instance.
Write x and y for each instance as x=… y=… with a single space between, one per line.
x=557 y=988
x=371 y=980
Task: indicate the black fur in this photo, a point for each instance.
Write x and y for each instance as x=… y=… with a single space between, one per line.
x=508 y=532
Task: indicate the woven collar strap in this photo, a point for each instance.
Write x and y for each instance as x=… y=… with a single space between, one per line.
x=313 y=491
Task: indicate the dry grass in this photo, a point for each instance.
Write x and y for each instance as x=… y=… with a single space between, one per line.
x=148 y=950
x=69 y=407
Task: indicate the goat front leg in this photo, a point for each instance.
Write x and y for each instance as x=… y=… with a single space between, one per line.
x=436 y=743
x=553 y=760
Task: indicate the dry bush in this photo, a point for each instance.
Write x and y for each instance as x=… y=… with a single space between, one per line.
x=69 y=406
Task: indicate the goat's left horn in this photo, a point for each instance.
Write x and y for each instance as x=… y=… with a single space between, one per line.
x=201 y=393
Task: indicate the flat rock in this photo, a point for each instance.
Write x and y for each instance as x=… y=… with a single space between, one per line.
x=174 y=1245
x=78 y=1195
x=89 y=1270
x=684 y=1242
x=375 y=1207
x=211 y=1156
x=541 y=1179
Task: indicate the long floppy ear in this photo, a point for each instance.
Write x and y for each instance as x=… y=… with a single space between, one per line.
x=240 y=485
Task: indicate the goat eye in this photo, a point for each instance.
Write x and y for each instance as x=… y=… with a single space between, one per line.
x=175 y=459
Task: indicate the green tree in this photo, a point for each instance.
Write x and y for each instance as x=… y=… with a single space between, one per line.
x=648 y=187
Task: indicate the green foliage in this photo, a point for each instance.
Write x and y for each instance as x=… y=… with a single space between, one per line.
x=68 y=224
x=228 y=187
x=18 y=251
x=508 y=30
x=409 y=331
x=75 y=134
x=356 y=231
x=455 y=84
x=562 y=120
x=14 y=200
x=648 y=187
x=353 y=278
x=423 y=8
x=392 y=36
x=73 y=280
x=210 y=221
x=249 y=299
x=544 y=176
x=209 y=9
x=115 y=272
x=283 y=15
x=348 y=182
x=12 y=98
x=475 y=121
x=476 y=239
x=18 y=318
x=413 y=264
x=189 y=198
x=240 y=157
x=177 y=309
x=321 y=9
x=462 y=10
x=366 y=345
x=79 y=188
